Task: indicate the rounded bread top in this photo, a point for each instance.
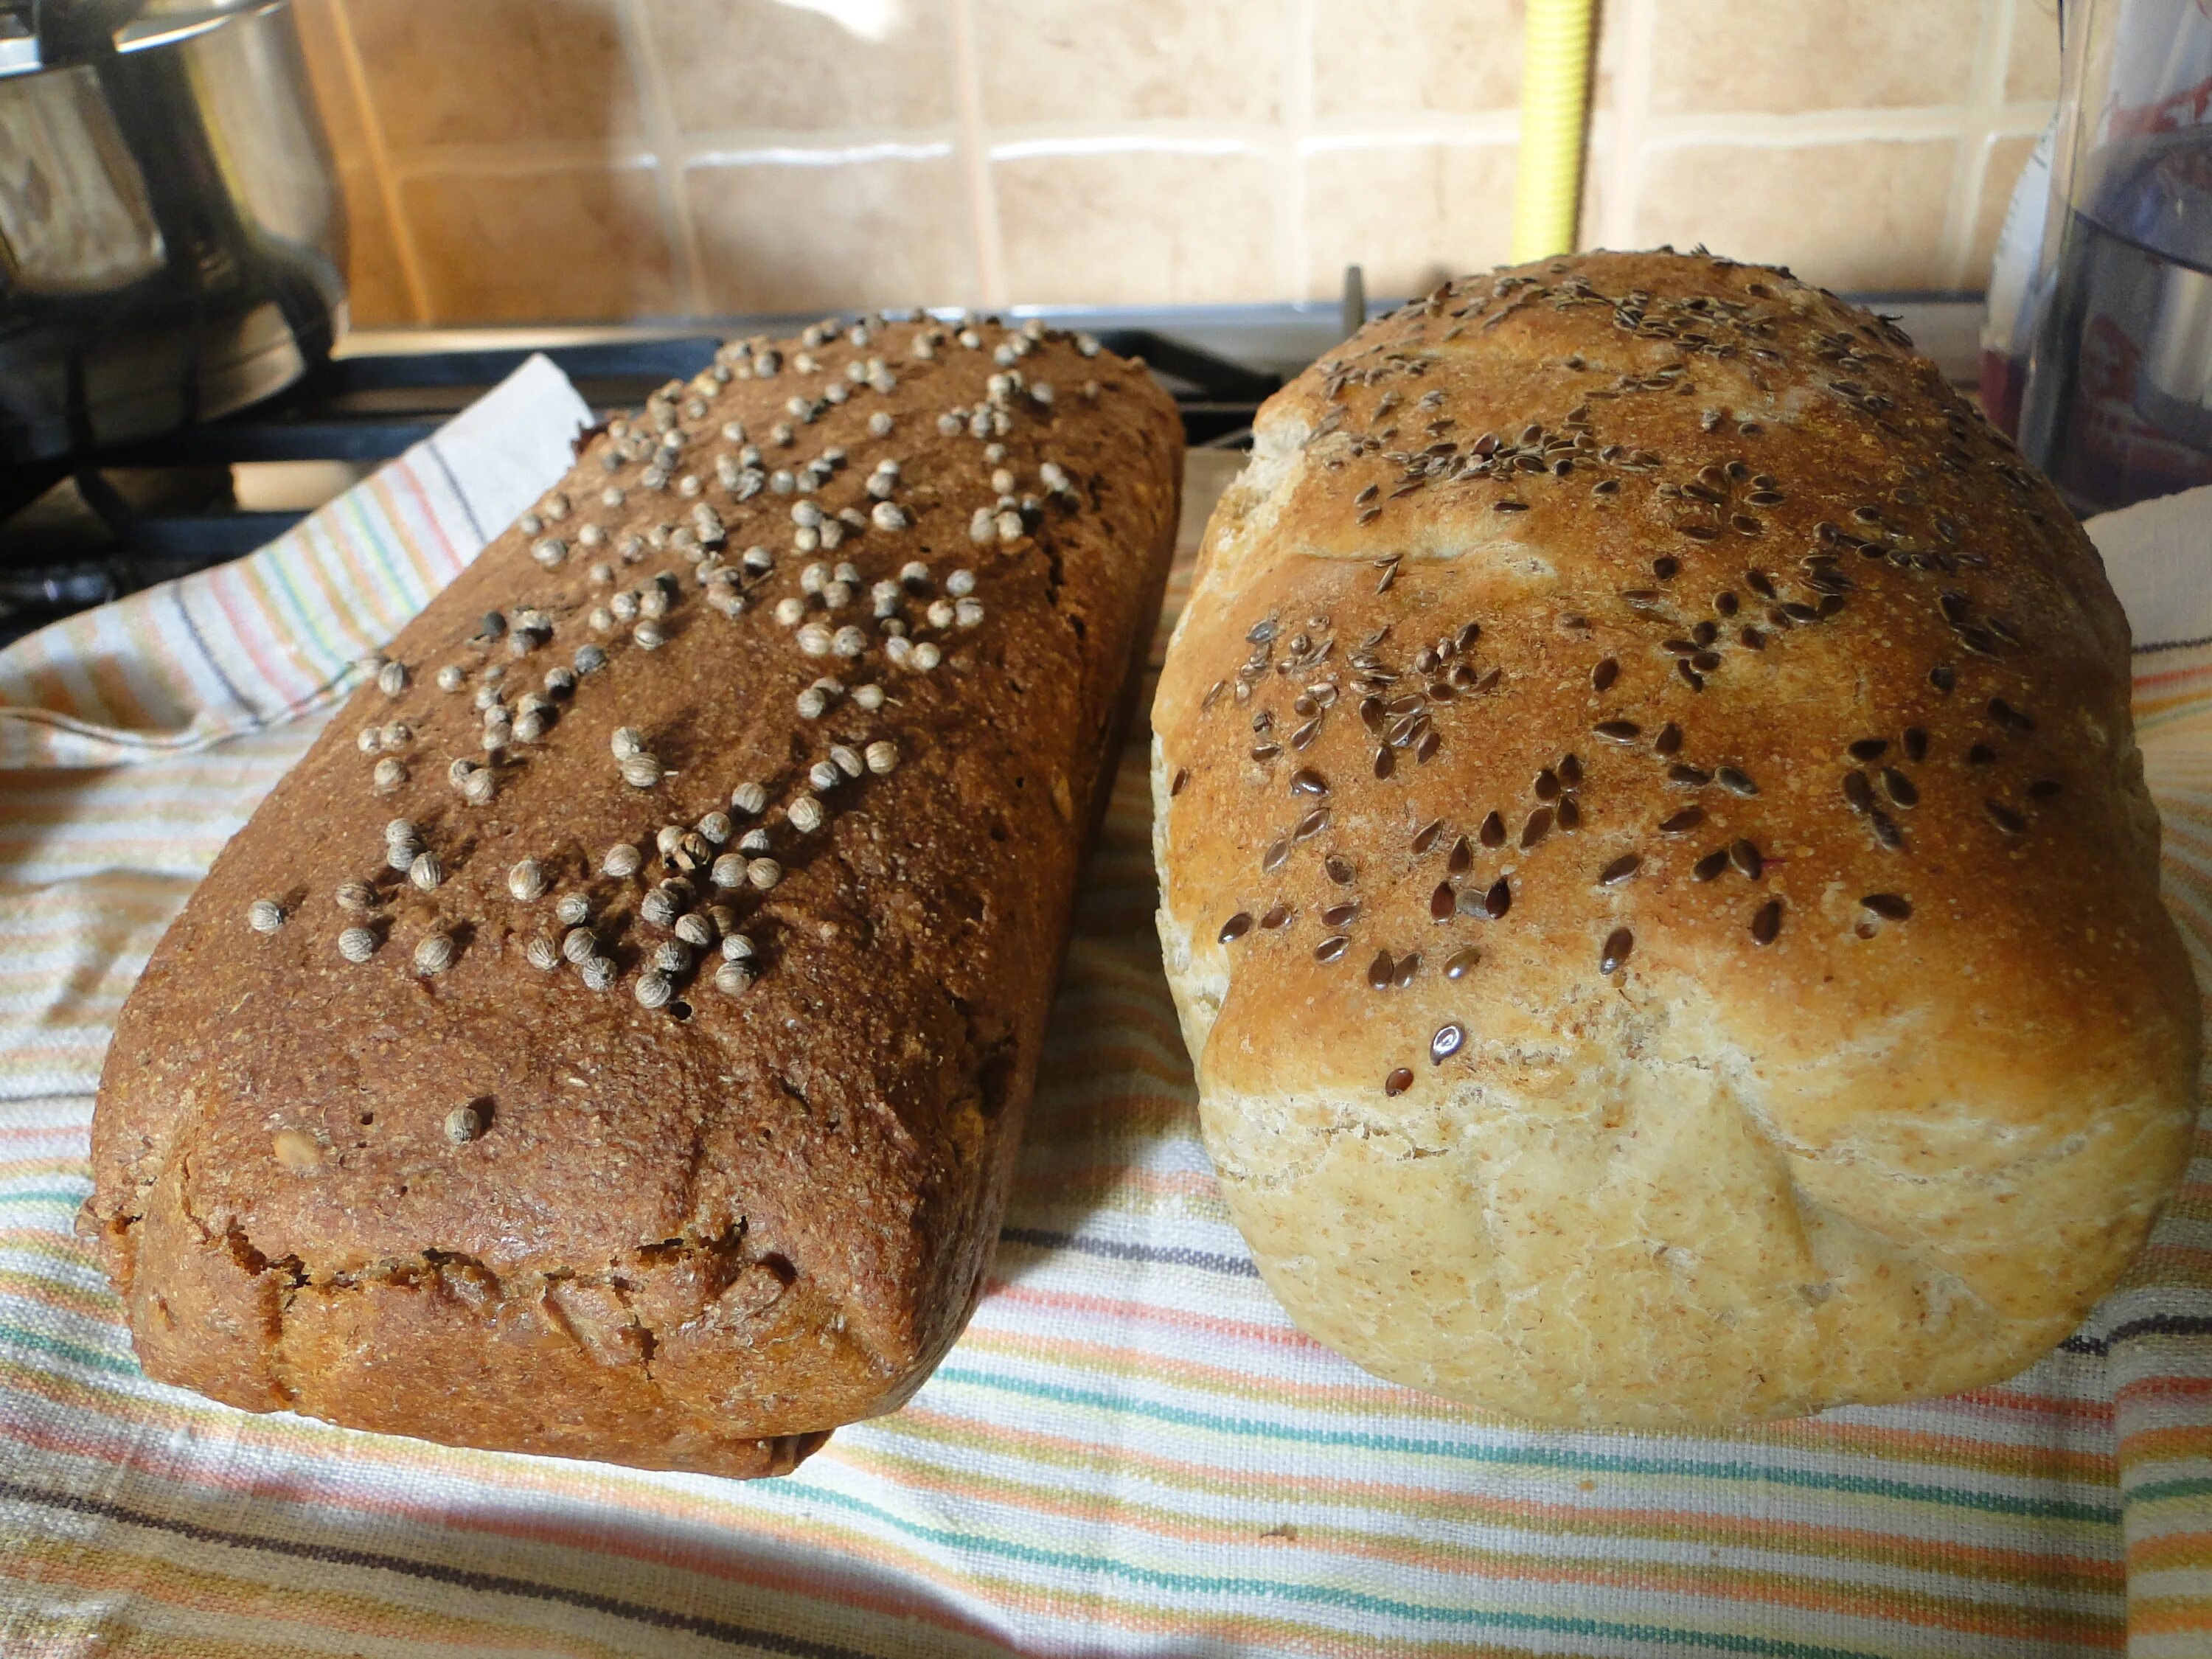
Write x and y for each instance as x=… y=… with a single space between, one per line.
x=1644 y=666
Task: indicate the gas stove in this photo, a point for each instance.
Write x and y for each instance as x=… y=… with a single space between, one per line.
x=80 y=535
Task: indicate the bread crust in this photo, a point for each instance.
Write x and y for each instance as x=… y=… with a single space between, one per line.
x=695 y=1236
x=1707 y=1128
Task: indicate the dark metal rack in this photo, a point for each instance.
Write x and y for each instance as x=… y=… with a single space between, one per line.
x=164 y=508
x=131 y=517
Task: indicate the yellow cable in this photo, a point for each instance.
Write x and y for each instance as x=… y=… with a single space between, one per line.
x=1554 y=100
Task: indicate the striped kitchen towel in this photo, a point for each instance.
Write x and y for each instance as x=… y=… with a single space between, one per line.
x=1131 y=1452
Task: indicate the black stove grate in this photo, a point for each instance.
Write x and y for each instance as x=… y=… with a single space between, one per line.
x=136 y=516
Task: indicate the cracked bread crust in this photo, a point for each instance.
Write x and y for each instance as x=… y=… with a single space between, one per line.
x=1657 y=873
x=695 y=1236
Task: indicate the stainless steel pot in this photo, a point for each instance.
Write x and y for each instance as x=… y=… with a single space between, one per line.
x=172 y=243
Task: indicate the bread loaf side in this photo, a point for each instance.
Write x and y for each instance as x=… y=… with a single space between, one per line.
x=1656 y=871
x=612 y=1038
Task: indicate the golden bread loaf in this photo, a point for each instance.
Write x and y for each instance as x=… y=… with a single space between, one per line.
x=1656 y=874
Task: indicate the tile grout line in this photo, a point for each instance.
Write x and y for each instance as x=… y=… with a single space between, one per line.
x=1632 y=123
x=526 y=155
x=662 y=142
x=897 y=144
x=728 y=147
x=988 y=252
x=1759 y=130
x=804 y=147
x=1293 y=237
x=380 y=164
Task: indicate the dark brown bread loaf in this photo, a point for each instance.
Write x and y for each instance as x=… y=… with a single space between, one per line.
x=834 y=638
x=1657 y=871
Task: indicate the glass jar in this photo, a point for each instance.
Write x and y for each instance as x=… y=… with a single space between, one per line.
x=2117 y=405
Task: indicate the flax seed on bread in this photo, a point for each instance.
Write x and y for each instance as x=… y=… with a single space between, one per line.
x=1710 y=963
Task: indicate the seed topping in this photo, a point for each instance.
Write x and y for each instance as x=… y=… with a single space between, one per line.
x=1617 y=943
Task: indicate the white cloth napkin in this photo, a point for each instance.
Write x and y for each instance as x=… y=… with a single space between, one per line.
x=2159 y=555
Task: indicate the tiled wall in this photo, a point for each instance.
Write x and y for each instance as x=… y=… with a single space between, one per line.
x=522 y=160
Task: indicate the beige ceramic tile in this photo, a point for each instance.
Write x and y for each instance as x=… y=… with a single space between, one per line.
x=1387 y=58
x=494 y=71
x=1408 y=214
x=327 y=76
x=2007 y=155
x=1137 y=227
x=735 y=65
x=569 y=244
x=1115 y=60
x=1861 y=215
x=2032 y=72
x=1611 y=74
x=776 y=238
x=1589 y=216
x=376 y=291
x=1812 y=54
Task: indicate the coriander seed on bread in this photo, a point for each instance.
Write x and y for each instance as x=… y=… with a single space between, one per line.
x=612 y=1038
x=1657 y=873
